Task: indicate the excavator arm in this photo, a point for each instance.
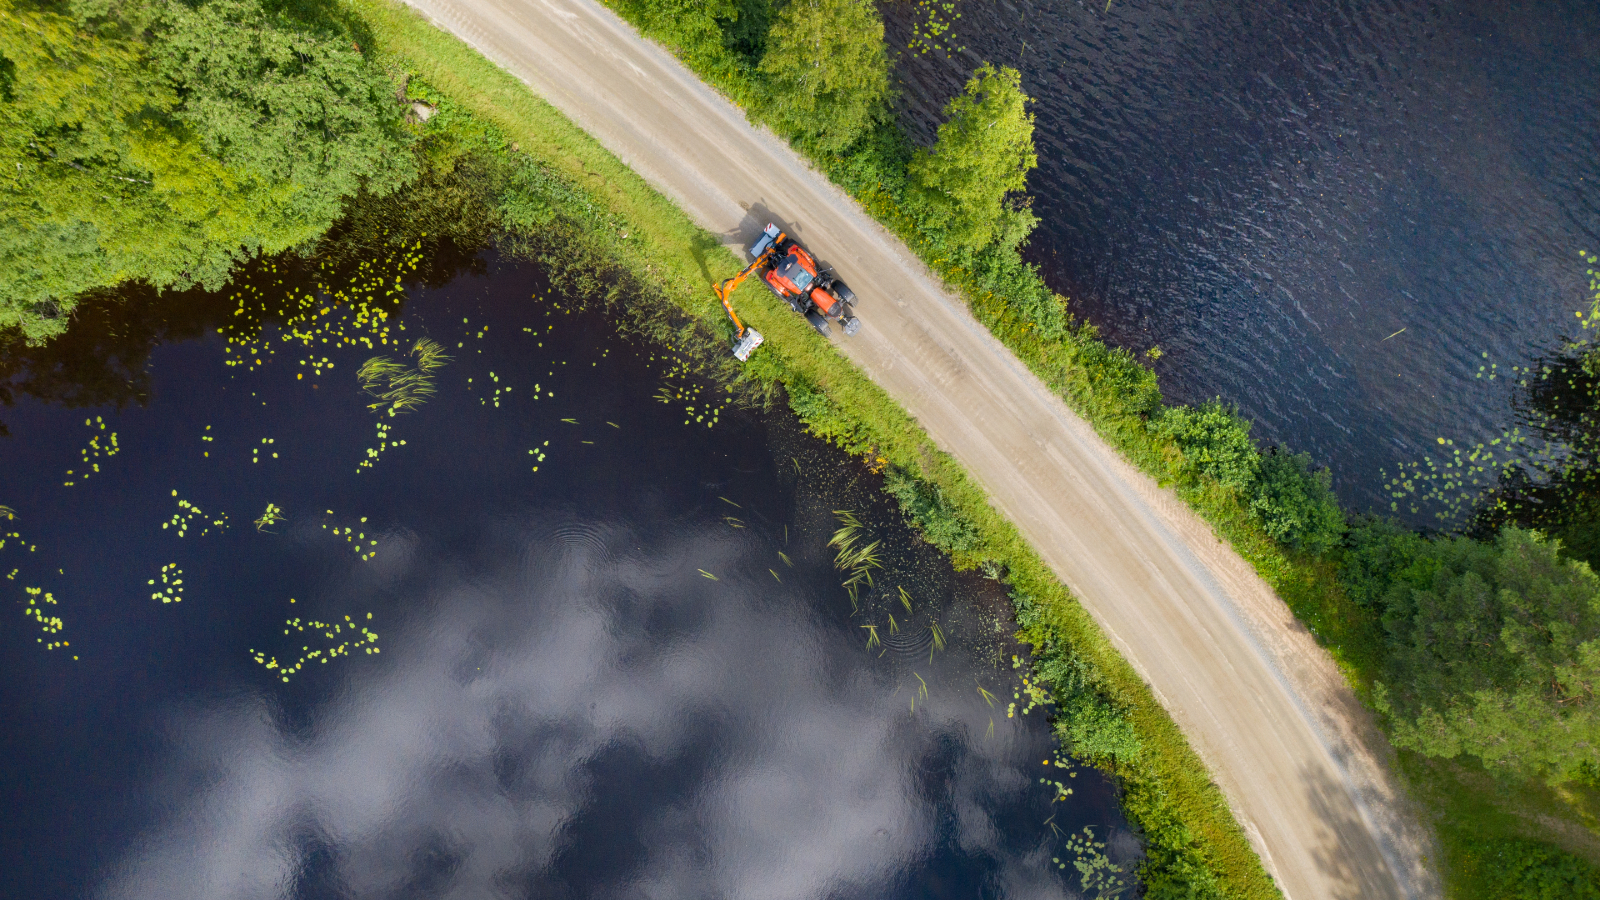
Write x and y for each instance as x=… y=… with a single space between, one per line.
x=747 y=339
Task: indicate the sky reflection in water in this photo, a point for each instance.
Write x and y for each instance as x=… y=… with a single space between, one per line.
x=564 y=705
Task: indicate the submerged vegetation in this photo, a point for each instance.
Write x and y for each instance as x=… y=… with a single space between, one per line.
x=854 y=556
x=398 y=388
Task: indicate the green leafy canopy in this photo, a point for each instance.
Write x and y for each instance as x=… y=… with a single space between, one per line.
x=1495 y=653
x=828 y=70
x=984 y=153
x=164 y=142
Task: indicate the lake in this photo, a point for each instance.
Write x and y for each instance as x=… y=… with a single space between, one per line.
x=566 y=624
x=1330 y=215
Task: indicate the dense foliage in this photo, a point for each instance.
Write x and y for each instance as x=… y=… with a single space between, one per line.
x=983 y=155
x=1526 y=870
x=165 y=142
x=1494 y=652
x=1214 y=440
x=1294 y=502
x=695 y=25
x=932 y=513
x=826 y=69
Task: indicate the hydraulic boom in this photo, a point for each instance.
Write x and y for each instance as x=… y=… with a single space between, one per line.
x=746 y=339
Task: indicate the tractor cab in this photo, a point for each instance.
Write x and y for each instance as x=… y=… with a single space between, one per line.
x=793 y=275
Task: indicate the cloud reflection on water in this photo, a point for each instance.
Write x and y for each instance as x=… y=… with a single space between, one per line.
x=590 y=720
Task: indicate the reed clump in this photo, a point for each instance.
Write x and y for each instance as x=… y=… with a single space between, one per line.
x=854 y=555
x=398 y=388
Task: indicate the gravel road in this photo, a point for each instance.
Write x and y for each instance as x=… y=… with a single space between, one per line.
x=1298 y=758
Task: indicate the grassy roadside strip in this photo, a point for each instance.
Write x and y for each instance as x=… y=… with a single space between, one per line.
x=1195 y=847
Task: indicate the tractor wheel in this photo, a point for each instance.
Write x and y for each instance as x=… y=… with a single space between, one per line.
x=843 y=292
x=818 y=322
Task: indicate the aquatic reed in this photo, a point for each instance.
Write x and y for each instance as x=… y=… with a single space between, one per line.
x=272 y=516
x=853 y=554
x=397 y=388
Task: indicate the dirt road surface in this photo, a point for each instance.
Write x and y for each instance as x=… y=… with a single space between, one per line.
x=1265 y=708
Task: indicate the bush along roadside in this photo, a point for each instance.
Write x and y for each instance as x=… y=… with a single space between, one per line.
x=958 y=205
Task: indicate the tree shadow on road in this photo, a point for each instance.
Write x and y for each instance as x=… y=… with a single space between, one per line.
x=1353 y=859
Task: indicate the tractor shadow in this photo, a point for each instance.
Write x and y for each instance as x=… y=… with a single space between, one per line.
x=739 y=240
x=757 y=216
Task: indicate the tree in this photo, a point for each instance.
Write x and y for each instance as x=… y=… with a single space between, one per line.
x=300 y=110
x=168 y=145
x=68 y=98
x=1294 y=503
x=1376 y=552
x=1214 y=441
x=827 y=70
x=984 y=153
x=694 y=26
x=1494 y=652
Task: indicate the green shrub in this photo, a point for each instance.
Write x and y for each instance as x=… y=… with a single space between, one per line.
x=1528 y=870
x=940 y=522
x=1175 y=866
x=1117 y=384
x=1214 y=441
x=826 y=71
x=1088 y=724
x=1294 y=503
x=1497 y=656
x=1000 y=270
x=1094 y=729
x=694 y=27
x=1377 y=552
x=823 y=417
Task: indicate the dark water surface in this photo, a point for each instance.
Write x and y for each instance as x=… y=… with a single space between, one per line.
x=1269 y=190
x=563 y=703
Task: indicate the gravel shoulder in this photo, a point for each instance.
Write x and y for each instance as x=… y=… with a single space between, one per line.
x=1301 y=762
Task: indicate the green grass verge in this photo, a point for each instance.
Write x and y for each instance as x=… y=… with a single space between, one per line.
x=1196 y=848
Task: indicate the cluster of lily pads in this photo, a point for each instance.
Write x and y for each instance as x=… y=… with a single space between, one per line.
x=343 y=639
x=683 y=383
x=188 y=513
x=51 y=624
x=93 y=452
x=170 y=589
x=341 y=315
x=365 y=547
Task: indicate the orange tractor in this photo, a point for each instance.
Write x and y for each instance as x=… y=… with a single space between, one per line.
x=791 y=273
